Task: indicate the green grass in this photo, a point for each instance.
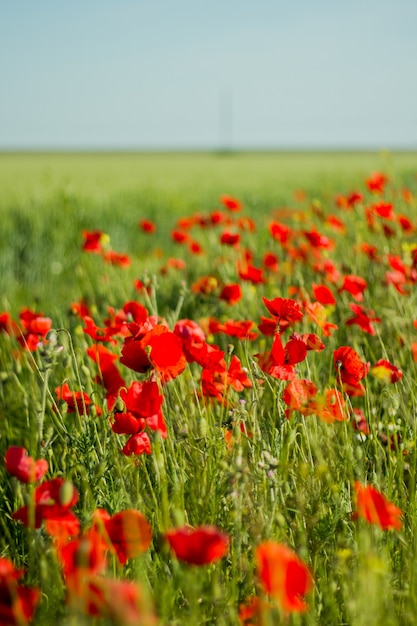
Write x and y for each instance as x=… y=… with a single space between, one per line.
x=290 y=481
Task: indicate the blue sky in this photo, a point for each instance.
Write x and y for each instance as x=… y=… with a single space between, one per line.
x=101 y=74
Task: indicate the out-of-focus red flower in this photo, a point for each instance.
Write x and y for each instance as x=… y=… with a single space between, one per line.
x=229 y=238
x=36 y=327
x=317 y=240
x=355 y=285
x=147 y=226
x=280 y=232
x=179 y=236
x=129 y=532
x=373 y=506
x=130 y=609
x=363 y=319
x=359 y=422
x=198 y=546
x=232 y=204
x=191 y=334
x=205 y=285
x=117 y=258
x=94 y=241
x=17 y=602
x=386 y=371
x=323 y=294
x=76 y=401
x=384 y=210
x=53 y=500
x=376 y=182
x=405 y=223
x=317 y=312
x=231 y=293
x=284 y=576
x=24 y=467
x=195 y=247
x=270 y=262
x=253 y=611
x=234 y=328
x=350 y=369
x=370 y=250
x=250 y=273
x=301 y=395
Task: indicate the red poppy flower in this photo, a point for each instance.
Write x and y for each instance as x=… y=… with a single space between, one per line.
x=234 y=328
x=355 y=285
x=250 y=273
x=385 y=210
x=284 y=576
x=147 y=226
x=363 y=319
x=117 y=258
x=99 y=595
x=24 y=467
x=205 y=285
x=53 y=500
x=199 y=546
x=232 y=204
x=17 y=602
x=94 y=241
x=76 y=401
x=229 y=238
x=323 y=295
x=318 y=314
x=137 y=444
x=280 y=360
x=129 y=532
x=376 y=182
x=109 y=376
x=280 y=232
x=270 y=262
x=373 y=506
x=285 y=309
x=350 y=369
x=231 y=293
x=386 y=371
x=36 y=328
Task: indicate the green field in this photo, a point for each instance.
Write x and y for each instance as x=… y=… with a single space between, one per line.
x=258 y=380
x=48 y=199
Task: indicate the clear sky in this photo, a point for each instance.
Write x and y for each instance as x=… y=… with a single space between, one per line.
x=136 y=74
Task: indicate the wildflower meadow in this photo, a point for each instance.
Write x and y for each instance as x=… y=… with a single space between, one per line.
x=208 y=400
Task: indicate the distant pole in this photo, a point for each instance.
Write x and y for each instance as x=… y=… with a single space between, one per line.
x=225 y=120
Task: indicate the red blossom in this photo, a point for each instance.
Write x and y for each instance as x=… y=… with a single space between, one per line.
x=53 y=500
x=232 y=204
x=355 y=285
x=129 y=532
x=350 y=369
x=147 y=226
x=323 y=295
x=386 y=371
x=284 y=576
x=231 y=293
x=17 y=602
x=284 y=309
x=24 y=467
x=199 y=546
x=373 y=506
x=363 y=319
